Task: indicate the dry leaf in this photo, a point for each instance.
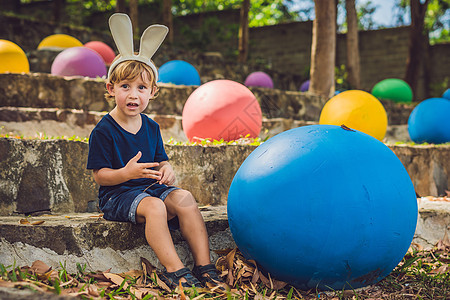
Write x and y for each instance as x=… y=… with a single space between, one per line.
x=132 y=274
x=116 y=279
x=39 y=267
x=37 y=223
x=96 y=216
x=24 y=221
x=416 y=246
x=161 y=283
x=149 y=268
x=181 y=291
x=441 y=270
x=230 y=258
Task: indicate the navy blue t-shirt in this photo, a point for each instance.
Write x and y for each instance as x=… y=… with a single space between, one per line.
x=111 y=146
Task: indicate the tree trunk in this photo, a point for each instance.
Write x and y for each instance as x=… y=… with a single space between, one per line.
x=134 y=16
x=243 y=32
x=417 y=41
x=353 y=63
x=323 y=49
x=57 y=10
x=168 y=18
x=120 y=6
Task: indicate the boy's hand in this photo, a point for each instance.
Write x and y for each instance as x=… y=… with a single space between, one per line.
x=137 y=170
x=168 y=175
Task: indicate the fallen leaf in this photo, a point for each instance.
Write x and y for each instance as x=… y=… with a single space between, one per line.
x=161 y=283
x=230 y=258
x=132 y=274
x=96 y=216
x=37 y=223
x=441 y=270
x=24 y=221
x=149 y=268
x=116 y=279
x=39 y=267
x=181 y=291
x=444 y=243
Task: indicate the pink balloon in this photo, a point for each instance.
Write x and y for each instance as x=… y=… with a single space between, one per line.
x=105 y=51
x=221 y=109
x=79 y=61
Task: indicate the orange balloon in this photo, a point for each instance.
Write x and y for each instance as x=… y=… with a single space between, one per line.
x=358 y=110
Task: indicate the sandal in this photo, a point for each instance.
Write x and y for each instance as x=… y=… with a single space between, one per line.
x=172 y=279
x=207 y=274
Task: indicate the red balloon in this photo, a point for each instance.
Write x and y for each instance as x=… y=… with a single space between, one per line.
x=221 y=109
x=106 y=52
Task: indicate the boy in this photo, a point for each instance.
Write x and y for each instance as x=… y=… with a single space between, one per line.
x=127 y=156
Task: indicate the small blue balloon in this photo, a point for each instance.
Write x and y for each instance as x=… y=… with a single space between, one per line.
x=429 y=121
x=179 y=72
x=323 y=207
x=446 y=94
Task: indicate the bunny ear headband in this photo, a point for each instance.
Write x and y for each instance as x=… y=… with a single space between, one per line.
x=122 y=33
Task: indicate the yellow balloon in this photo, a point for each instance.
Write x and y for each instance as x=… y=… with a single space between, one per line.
x=59 y=42
x=12 y=58
x=358 y=110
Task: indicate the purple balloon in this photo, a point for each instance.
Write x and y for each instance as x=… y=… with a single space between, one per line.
x=79 y=61
x=260 y=79
x=305 y=86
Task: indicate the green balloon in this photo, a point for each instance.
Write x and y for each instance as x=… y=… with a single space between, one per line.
x=393 y=89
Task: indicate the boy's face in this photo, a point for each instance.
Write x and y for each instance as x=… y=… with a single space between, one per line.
x=132 y=96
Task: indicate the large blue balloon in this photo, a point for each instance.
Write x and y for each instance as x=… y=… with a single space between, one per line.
x=428 y=122
x=179 y=72
x=323 y=207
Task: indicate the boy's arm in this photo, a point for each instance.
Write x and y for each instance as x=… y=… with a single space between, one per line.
x=132 y=170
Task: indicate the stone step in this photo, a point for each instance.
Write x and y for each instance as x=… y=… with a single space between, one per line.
x=100 y=244
x=51 y=175
x=41 y=90
x=54 y=122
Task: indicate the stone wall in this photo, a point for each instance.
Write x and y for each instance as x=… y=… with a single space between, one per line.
x=50 y=175
x=48 y=91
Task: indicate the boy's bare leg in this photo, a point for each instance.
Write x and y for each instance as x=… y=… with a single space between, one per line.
x=181 y=203
x=153 y=212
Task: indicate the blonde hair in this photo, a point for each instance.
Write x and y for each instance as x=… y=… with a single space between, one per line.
x=130 y=70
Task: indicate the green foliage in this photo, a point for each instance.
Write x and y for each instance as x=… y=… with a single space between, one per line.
x=341 y=75
x=201 y=38
x=437 y=22
x=364 y=13
x=262 y=12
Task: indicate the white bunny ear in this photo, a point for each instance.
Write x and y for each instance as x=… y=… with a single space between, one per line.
x=151 y=39
x=122 y=33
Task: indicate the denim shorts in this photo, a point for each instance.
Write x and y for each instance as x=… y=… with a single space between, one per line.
x=122 y=206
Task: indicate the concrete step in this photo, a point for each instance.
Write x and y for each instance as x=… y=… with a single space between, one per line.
x=100 y=244
x=54 y=122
